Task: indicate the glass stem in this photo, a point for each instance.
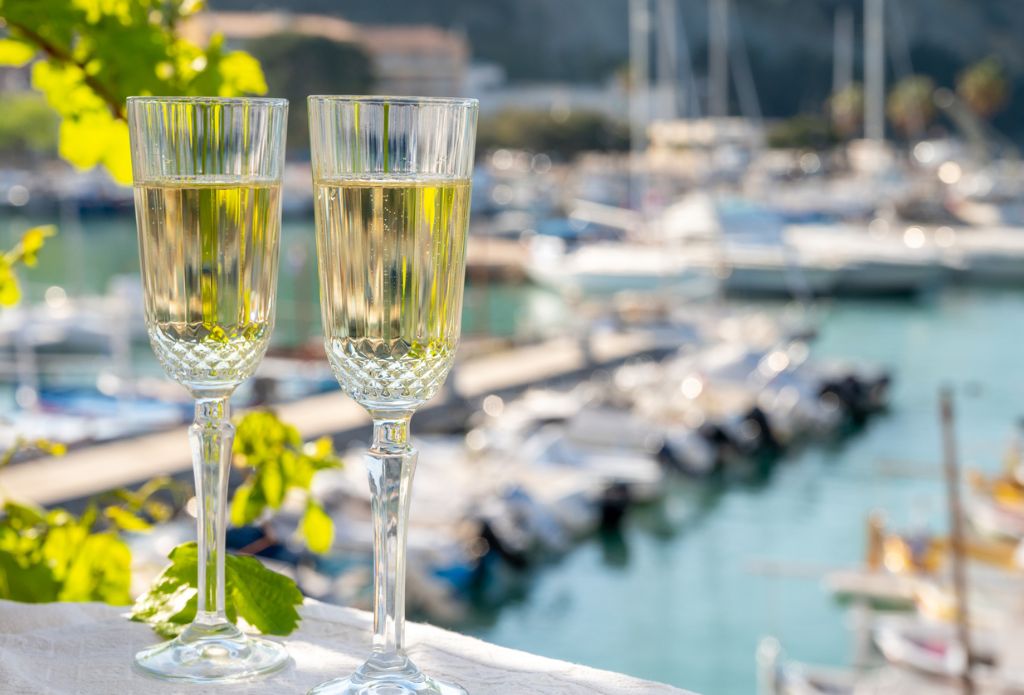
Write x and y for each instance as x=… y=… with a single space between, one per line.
x=211 y=435
x=391 y=463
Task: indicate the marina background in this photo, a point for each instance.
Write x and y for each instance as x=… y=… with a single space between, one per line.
x=674 y=176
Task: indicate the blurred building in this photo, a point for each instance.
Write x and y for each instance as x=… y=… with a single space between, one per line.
x=15 y=79
x=489 y=83
x=422 y=60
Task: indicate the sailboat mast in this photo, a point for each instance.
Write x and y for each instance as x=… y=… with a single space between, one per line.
x=639 y=92
x=842 y=57
x=668 y=60
x=718 y=59
x=874 y=70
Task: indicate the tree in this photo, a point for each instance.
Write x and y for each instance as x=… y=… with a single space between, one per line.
x=563 y=136
x=88 y=57
x=847 y=110
x=984 y=87
x=803 y=131
x=27 y=126
x=297 y=66
x=911 y=106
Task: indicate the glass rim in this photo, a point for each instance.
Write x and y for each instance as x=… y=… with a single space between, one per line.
x=227 y=101
x=385 y=99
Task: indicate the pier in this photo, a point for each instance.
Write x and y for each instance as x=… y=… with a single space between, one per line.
x=95 y=469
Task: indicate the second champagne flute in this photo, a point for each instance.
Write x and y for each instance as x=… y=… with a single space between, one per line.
x=392 y=180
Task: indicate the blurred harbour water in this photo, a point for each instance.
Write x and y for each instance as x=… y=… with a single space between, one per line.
x=686 y=591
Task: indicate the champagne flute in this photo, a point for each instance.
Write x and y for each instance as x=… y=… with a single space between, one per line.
x=208 y=206
x=392 y=188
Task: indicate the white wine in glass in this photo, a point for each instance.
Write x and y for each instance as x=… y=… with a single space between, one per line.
x=394 y=303
x=392 y=184
x=203 y=245
x=207 y=174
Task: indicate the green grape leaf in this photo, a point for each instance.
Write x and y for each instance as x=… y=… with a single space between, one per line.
x=247 y=504
x=27 y=252
x=272 y=483
x=45 y=445
x=100 y=570
x=23 y=517
x=262 y=598
x=317 y=527
x=26 y=582
x=14 y=53
x=117 y=159
x=241 y=74
x=125 y=520
x=170 y=603
x=10 y=290
x=62 y=544
x=84 y=140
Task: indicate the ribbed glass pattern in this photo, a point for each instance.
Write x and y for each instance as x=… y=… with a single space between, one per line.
x=208 y=206
x=391 y=179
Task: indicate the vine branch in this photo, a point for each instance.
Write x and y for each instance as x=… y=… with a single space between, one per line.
x=58 y=53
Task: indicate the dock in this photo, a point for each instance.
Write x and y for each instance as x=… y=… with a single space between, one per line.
x=95 y=469
x=492 y=259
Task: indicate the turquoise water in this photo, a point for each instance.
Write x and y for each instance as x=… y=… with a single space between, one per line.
x=678 y=598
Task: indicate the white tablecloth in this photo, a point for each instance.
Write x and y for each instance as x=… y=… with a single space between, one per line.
x=86 y=649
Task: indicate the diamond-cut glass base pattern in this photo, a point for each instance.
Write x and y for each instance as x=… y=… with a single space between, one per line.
x=208 y=363
x=379 y=374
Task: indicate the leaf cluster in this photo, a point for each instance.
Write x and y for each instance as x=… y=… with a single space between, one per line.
x=88 y=56
x=57 y=556
x=26 y=252
x=277 y=463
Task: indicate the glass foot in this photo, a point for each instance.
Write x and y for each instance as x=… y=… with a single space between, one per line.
x=205 y=654
x=402 y=678
x=353 y=686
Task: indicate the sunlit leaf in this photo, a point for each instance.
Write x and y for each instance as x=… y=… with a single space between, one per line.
x=118 y=157
x=272 y=484
x=15 y=54
x=27 y=251
x=99 y=52
x=100 y=570
x=63 y=543
x=30 y=583
x=23 y=516
x=317 y=528
x=125 y=520
x=241 y=74
x=248 y=504
x=86 y=140
x=10 y=290
x=264 y=599
x=170 y=603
